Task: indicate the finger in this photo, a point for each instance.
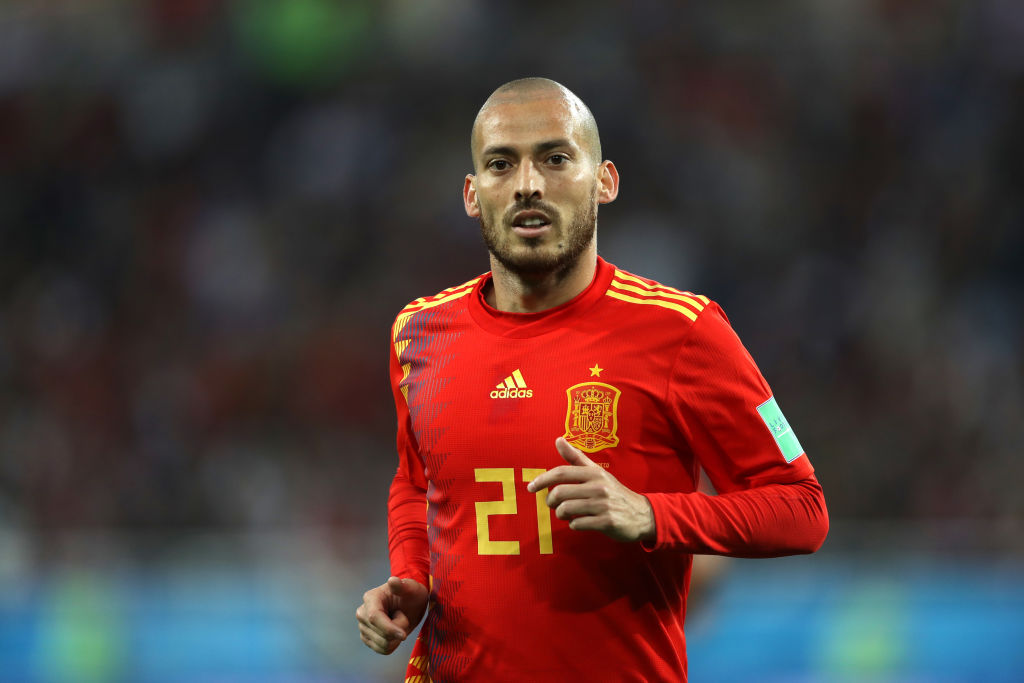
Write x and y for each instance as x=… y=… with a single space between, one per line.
x=372 y=613
x=564 y=492
x=379 y=644
x=401 y=621
x=571 y=454
x=572 y=509
x=379 y=622
x=589 y=523
x=376 y=641
x=372 y=639
x=405 y=589
x=373 y=601
x=565 y=474
x=363 y=613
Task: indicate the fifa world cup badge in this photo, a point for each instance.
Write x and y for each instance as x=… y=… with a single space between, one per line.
x=591 y=418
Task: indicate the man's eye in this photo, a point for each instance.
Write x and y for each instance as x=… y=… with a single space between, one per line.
x=557 y=159
x=499 y=165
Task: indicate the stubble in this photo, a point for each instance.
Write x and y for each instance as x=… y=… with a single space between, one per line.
x=539 y=256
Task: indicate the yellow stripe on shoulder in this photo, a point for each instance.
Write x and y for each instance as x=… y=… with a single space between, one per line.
x=440 y=297
x=632 y=278
x=672 y=294
x=680 y=308
x=647 y=284
x=657 y=286
x=424 y=303
x=467 y=283
x=638 y=290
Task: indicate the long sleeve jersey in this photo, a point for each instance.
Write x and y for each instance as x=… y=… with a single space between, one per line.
x=653 y=384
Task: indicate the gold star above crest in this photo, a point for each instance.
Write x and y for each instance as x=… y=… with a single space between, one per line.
x=596 y=370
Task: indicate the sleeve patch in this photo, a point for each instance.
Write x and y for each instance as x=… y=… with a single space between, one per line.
x=783 y=434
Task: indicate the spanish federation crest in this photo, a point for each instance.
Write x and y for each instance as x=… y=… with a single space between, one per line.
x=591 y=419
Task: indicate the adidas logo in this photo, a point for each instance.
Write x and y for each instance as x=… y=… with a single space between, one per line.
x=514 y=386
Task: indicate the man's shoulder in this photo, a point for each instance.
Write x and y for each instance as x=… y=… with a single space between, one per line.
x=654 y=298
x=436 y=302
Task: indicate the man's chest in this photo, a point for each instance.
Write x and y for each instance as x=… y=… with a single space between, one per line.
x=498 y=403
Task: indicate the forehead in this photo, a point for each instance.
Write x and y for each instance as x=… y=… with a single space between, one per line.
x=523 y=123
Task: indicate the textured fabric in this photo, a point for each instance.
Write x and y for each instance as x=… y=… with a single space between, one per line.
x=652 y=384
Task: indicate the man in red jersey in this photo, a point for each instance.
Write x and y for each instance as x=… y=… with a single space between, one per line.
x=553 y=417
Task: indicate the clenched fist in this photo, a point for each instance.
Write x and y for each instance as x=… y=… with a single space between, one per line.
x=390 y=612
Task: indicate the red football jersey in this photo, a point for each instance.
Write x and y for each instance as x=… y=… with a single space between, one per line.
x=652 y=384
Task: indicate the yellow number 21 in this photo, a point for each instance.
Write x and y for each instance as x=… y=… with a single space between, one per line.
x=507 y=506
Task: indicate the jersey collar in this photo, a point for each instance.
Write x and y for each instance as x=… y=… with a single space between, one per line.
x=522 y=325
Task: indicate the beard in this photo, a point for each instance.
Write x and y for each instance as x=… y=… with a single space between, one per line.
x=549 y=253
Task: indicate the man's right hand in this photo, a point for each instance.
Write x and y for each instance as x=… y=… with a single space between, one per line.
x=390 y=612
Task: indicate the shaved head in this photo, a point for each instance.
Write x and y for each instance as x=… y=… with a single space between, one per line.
x=524 y=90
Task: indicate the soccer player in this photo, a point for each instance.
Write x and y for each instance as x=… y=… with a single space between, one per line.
x=553 y=415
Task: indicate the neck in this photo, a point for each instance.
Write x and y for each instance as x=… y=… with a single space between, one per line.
x=515 y=292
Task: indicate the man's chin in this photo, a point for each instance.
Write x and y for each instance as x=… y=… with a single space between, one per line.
x=533 y=261
x=554 y=251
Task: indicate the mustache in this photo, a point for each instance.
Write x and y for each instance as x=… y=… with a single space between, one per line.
x=530 y=205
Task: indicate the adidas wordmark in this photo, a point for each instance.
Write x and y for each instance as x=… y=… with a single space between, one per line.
x=513 y=386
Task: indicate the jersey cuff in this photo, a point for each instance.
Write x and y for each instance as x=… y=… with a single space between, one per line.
x=662 y=523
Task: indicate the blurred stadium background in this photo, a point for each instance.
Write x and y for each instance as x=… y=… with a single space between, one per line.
x=211 y=210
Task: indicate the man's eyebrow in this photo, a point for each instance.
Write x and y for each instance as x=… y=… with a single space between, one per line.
x=501 y=150
x=551 y=144
x=539 y=148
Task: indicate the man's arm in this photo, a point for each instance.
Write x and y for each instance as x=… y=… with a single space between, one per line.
x=407 y=500
x=408 y=547
x=769 y=502
x=765 y=521
x=391 y=611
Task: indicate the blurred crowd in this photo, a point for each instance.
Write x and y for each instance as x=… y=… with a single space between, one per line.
x=210 y=212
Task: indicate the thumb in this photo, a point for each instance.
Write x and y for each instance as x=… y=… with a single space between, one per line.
x=571 y=454
x=396 y=586
x=403 y=622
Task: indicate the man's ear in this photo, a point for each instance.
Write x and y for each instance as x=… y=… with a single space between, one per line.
x=608 y=182
x=469 y=197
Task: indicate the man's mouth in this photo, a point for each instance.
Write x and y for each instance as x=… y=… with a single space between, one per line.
x=530 y=223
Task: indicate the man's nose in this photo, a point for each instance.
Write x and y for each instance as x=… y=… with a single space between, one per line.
x=529 y=182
